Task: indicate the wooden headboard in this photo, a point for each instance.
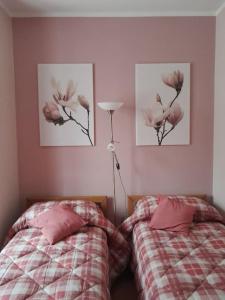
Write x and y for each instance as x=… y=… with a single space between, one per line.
x=101 y=201
x=133 y=199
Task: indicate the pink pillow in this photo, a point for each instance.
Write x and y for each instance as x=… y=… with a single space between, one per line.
x=58 y=223
x=172 y=215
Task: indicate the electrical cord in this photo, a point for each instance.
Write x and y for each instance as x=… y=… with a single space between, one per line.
x=121 y=180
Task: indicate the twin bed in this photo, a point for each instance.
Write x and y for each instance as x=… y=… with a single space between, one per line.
x=79 y=267
x=170 y=265
x=167 y=265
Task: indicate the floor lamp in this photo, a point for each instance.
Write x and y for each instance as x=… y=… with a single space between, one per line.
x=111 y=107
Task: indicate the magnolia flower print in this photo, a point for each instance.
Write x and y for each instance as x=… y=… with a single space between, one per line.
x=165 y=118
x=68 y=102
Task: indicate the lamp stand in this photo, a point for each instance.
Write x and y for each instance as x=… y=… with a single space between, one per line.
x=110 y=107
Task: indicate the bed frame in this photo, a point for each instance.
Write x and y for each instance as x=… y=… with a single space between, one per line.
x=101 y=201
x=133 y=199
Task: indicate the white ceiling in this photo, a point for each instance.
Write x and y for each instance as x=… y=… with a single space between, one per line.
x=35 y=8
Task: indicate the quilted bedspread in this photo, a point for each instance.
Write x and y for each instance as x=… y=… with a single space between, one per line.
x=79 y=267
x=174 y=265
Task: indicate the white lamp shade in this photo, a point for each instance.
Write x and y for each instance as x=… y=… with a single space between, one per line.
x=110 y=106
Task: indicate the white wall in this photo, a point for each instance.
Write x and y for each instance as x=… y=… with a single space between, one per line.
x=219 y=114
x=9 y=200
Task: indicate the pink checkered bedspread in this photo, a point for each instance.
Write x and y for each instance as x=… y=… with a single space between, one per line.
x=79 y=267
x=177 y=266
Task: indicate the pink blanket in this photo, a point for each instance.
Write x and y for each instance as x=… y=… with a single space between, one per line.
x=79 y=267
x=174 y=265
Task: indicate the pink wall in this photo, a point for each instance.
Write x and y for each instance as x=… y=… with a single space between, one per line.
x=9 y=195
x=114 y=45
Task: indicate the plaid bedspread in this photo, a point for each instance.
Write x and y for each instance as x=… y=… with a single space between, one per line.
x=178 y=266
x=79 y=267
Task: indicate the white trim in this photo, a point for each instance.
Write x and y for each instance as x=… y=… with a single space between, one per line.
x=5 y=8
x=219 y=10
x=114 y=14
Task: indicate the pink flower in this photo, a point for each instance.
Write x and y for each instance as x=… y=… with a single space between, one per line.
x=175 y=114
x=174 y=80
x=155 y=116
x=52 y=114
x=83 y=102
x=64 y=99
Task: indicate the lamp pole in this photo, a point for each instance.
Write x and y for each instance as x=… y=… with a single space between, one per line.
x=113 y=165
x=110 y=107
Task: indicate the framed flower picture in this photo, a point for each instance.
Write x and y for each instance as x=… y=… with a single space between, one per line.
x=66 y=111
x=162 y=104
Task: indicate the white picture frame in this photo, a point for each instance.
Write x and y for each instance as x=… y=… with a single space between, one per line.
x=66 y=110
x=156 y=87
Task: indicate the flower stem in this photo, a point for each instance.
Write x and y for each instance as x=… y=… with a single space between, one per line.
x=88 y=133
x=83 y=129
x=178 y=92
x=72 y=118
x=157 y=132
x=169 y=131
x=164 y=133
